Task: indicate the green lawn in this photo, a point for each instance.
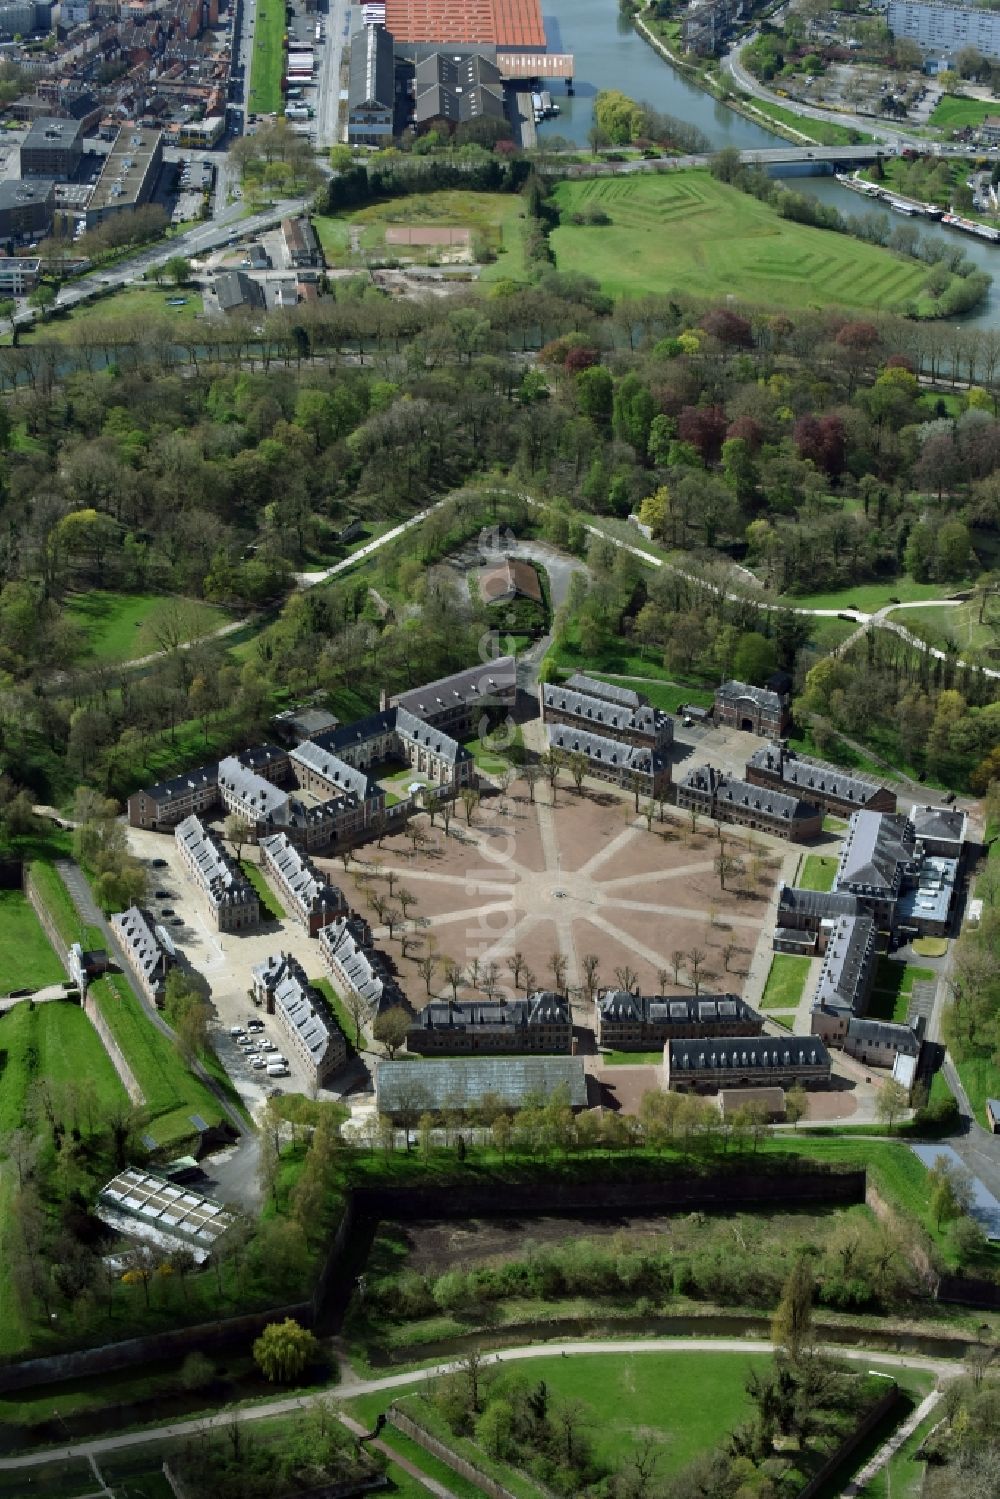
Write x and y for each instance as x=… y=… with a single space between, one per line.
x=824 y=132
x=684 y=231
x=981 y=1080
x=134 y=304
x=670 y=696
x=267 y=64
x=954 y=624
x=631 y=1058
x=495 y=222
x=57 y=1042
x=893 y=987
x=340 y=1010
x=818 y=872
x=786 y=981
x=26 y=957
x=952 y=113
x=268 y=900
x=122 y=626
x=172 y=1092
x=869 y=597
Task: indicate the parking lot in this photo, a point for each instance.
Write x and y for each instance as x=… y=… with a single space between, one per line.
x=224 y=960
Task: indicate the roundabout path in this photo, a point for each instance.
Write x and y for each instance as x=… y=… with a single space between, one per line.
x=350 y=1386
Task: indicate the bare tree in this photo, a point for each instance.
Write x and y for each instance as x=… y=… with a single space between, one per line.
x=453 y=976
x=447 y=813
x=516 y=965
x=237 y=831
x=406 y=899
x=626 y=978
x=662 y=980
x=378 y=903
x=590 y=964
x=391 y=876
x=696 y=959
x=578 y=769
x=427 y=965
x=470 y=801
x=491 y=980
x=474 y=972
x=557 y=967
x=677 y=963
x=552 y=764
x=531 y=773
x=530 y=981
x=729 y=951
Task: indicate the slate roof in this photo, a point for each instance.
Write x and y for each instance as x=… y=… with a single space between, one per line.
x=313 y=755
x=300 y=875
x=224 y=882
x=466 y=1081
x=612 y=752
x=679 y=1009
x=731 y=692
x=138 y=935
x=300 y=1007
x=884 y=1033
x=624 y=697
x=347 y=942
x=606 y=717
x=166 y=791
x=941 y=823
x=847 y=962
x=818 y=905
x=724 y=1054
x=265 y=799
x=372 y=79
x=236 y=289
x=806 y=775
x=541 y=1008
x=876 y=848
x=728 y=791
x=488 y=682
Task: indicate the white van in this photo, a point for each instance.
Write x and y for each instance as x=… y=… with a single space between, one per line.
x=277 y=1069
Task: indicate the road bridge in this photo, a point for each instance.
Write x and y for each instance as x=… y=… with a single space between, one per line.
x=836 y=156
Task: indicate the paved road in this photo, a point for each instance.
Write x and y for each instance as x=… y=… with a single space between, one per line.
x=328 y=75
x=350 y=1386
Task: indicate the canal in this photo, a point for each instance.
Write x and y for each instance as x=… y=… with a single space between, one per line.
x=610 y=54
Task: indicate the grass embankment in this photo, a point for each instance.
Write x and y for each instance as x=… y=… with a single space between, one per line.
x=340 y=1012
x=818 y=872
x=686 y=232
x=59 y=904
x=267 y=63
x=124 y=626
x=172 y=1092
x=631 y=1058
x=980 y=1078
x=270 y=904
x=136 y=305
x=27 y=960
x=786 y=981
x=954 y=625
x=869 y=598
x=893 y=989
x=54 y=1043
x=823 y=132
x=494 y=222
x=952 y=112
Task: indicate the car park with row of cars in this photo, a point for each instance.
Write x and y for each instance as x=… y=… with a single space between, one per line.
x=261 y=1053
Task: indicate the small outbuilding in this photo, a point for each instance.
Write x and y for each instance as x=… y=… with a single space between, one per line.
x=993 y=1114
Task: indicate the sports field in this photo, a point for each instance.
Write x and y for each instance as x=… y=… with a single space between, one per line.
x=123 y=626
x=686 y=232
x=268 y=59
x=494 y=222
x=26 y=957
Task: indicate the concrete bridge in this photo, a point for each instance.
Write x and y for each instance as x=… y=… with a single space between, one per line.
x=835 y=156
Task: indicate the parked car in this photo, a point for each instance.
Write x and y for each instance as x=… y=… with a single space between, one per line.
x=255 y=1024
x=258 y=1064
x=161 y=894
x=177 y=921
x=237 y=1032
x=167 y=911
x=268 y=1046
x=159 y=863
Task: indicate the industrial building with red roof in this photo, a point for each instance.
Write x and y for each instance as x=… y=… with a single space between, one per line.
x=514 y=25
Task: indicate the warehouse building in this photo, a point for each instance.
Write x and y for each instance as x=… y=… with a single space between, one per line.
x=129 y=175
x=371 y=88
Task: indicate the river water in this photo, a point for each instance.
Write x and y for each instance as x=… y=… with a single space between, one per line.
x=610 y=53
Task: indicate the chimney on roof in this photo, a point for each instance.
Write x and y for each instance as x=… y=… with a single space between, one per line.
x=383 y=700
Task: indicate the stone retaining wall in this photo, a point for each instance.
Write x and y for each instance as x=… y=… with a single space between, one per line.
x=850 y=1444
x=437 y=1448
x=48 y=925
x=128 y=1078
